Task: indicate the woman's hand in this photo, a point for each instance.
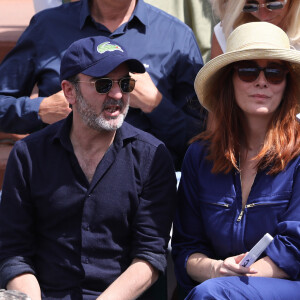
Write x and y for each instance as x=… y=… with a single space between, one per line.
x=230 y=267
x=200 y=267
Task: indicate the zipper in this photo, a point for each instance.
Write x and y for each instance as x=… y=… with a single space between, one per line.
x=262 y=204
x=253 y=205
x=240 y=215
x=216 y=204
x=219 y=204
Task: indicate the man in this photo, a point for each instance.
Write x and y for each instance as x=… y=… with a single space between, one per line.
x=160 y=103
x=87 y=202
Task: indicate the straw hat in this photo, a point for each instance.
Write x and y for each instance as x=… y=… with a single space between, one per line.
x=255 y=40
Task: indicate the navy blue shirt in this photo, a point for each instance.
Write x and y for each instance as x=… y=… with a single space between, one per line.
x=77 y=237
x=166 y=46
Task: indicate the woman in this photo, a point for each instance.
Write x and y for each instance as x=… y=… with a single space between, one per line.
x=241 y=179
x=232 y=13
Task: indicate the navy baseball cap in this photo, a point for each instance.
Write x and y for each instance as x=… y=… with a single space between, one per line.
x=96 y=56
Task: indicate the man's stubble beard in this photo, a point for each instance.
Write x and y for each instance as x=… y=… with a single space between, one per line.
x=98 y=121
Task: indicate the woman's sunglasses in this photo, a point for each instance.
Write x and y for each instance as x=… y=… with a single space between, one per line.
x=253 y=6
x=249 y=71
x=104 y=85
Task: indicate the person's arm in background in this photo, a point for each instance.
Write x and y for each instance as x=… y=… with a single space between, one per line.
x=145 y=95
x=215 y=47
x=199 y=16
x=20 y=70
x=215 y=51
x=179 y=116
x=54 y=108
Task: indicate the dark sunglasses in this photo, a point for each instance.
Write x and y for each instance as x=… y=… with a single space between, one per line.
x=254 y=6
x=104 y=85
x=249 y=71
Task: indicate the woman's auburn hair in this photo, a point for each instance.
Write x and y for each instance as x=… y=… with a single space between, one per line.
x=282 y=141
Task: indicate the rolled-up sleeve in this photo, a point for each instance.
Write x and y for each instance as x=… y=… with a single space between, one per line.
x=16 y=221
x=19 y=73
x=189 y=235
x=154 y=216
x=285 y=248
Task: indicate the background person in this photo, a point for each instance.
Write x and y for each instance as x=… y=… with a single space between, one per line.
x=161 y=101
x=241 y=179
x=282 y=13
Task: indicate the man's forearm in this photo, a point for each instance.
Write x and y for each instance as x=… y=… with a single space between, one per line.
x=138 y=277
x=26 y=283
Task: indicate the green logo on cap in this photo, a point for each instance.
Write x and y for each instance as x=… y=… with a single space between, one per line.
x=107 y=46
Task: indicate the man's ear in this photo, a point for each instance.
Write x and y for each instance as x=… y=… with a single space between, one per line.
x=69 y=91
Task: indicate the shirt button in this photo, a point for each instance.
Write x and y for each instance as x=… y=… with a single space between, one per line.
x=85 y=260
x=86 y=227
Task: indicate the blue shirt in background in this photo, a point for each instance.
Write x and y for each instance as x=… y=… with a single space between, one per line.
x=78 y=237
x=166 y=46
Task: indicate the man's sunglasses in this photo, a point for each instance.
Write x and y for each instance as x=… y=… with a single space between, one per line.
x=249 y=71
x=254 y=6
x=104 y=85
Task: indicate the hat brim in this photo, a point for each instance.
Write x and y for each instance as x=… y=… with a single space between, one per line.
x=209 y=72
x=97 y=70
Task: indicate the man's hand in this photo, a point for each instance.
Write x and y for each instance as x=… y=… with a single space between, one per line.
x=230 y=267
x=54 y=108
x=145 y=95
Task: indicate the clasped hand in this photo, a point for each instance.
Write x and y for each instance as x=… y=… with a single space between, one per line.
x=54 y=108
x=145 y=95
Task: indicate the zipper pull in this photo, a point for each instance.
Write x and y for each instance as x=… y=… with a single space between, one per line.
x=240 y=216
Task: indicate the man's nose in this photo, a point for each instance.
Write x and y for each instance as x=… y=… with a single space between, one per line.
x=115 y=92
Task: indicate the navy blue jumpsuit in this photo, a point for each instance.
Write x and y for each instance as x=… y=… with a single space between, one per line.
x=210 y=220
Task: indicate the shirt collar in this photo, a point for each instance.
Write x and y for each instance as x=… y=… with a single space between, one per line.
x=123 y=134
x=84 y=12
x=140 y=12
